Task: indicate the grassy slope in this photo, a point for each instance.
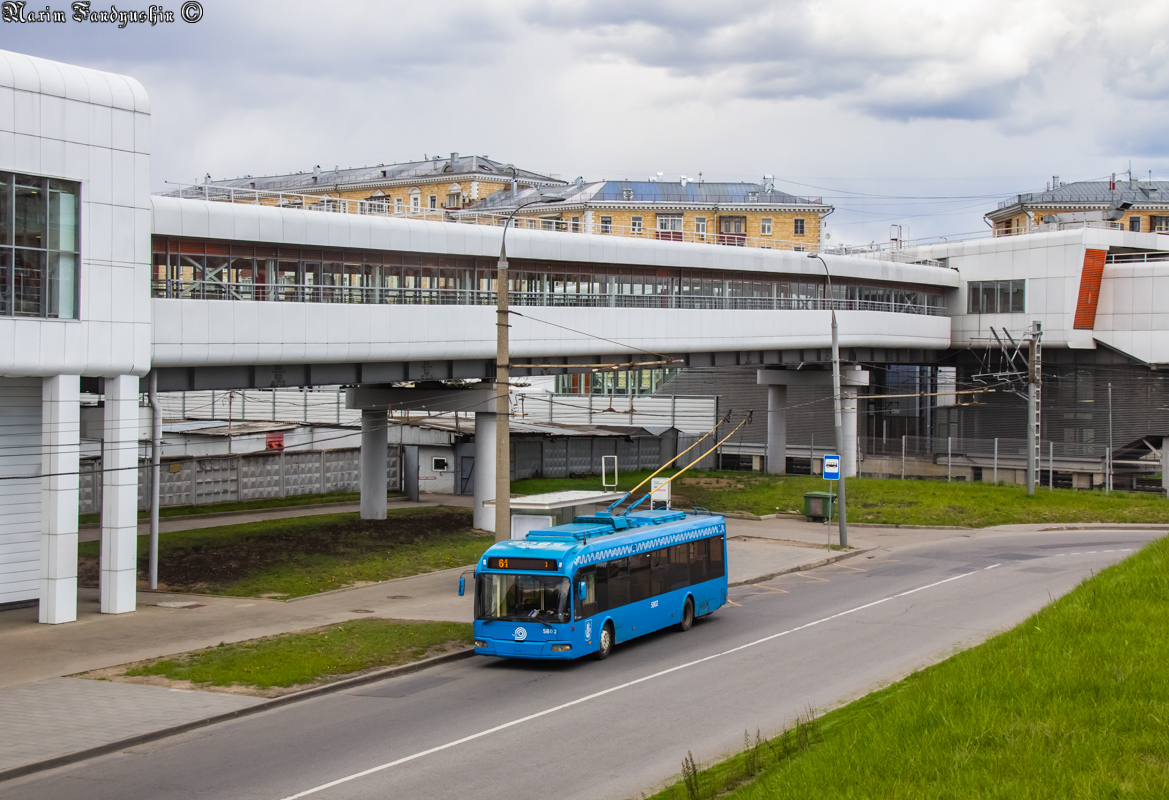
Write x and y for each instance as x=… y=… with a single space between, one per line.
x=297 y=658
x=1074 y=702
x=893 y=501
x=291 y=571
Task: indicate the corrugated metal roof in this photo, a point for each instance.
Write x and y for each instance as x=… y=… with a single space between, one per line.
x=461 y=167
x=660 y=192
x=1097 y=193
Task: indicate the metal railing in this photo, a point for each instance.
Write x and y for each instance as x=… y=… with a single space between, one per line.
x=218 y=290
x=1136 y=258
x=338 y=205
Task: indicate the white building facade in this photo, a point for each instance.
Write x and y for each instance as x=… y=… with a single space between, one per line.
x=74 y=301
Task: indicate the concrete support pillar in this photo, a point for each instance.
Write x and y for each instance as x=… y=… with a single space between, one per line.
x=848 y=459
x=776 y=429
x=119 y=514
x=484 y=518
x=1165 y=464
x=374 y=463
x=60 y=448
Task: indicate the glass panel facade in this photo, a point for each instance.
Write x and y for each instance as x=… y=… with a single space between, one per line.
x=996 y=297
x=39 y=244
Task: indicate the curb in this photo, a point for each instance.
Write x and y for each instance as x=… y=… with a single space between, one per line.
x=1107 y=526
x=274 y=702
x=797 y=568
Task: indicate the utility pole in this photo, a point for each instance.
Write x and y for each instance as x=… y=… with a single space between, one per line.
x=1034 y=389
x=842 y=516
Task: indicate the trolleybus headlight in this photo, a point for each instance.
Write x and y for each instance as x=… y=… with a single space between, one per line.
x=560 y=648
x=480 y=643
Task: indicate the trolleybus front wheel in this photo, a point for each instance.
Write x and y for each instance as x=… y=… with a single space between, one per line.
x=687 y=615
x=605 y=646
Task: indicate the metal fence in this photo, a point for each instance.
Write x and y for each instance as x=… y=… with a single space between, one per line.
x=256 y=476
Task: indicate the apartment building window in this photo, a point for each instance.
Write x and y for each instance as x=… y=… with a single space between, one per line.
x=434 y=201
x=996 y=297
x=670 y=227
x=765 y=226
x=454 y=200
x=606 y=224
x=398 y=206
x=1134 y=224
x=1159 y=224
x=635 y=224
x=700 y=226
x=576 y=224
x=799 y=248
x=39 y=244
x=415 y=200
x=798 y=223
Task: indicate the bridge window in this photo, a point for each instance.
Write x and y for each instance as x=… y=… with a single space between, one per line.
x=39 y=244
x=996 y=297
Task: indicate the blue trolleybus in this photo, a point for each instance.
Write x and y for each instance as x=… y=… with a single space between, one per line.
x=570 y=590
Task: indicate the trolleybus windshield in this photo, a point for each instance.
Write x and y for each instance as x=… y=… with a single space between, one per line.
x=543 y=598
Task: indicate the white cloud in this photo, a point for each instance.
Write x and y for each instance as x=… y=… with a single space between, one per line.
x=905 y=98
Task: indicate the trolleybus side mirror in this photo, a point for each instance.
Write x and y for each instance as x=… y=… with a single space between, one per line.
x=462 y=585
x=581 y=591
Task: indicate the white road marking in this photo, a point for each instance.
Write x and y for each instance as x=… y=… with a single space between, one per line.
x=612 y=689
x=992 y=566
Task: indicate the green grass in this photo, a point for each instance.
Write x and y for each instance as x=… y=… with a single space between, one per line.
x=247 y=505
x=1073 y=703
x=307 y=555
x=293 y=659
x=891 y=501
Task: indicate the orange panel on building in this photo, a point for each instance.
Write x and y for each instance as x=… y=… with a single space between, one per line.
x=1089 y=289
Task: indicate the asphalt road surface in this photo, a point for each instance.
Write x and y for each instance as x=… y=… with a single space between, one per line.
x=488 y=728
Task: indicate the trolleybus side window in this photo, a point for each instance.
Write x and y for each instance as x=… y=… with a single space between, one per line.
x=659 y=563
x=618 y=582
x=679 y=566
x=639 y=574
x=717 y=567
x=602 y=579
x=699 y=561
x=588 y=606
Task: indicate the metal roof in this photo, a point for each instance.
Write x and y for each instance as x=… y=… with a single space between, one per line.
x=658 y=192
x=519 y=427
x=452 y=167
x=1096 y=193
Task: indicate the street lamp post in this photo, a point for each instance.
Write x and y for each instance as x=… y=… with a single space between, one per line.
x=842 y=511
x=502 y=378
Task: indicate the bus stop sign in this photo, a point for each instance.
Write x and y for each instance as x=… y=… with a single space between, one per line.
x=831 y=468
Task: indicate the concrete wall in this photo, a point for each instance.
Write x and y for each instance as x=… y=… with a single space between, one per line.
x=20 y=500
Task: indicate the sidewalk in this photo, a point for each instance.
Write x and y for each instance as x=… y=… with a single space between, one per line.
x=61 y=715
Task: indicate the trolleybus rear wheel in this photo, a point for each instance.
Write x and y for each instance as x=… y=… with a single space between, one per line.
x=687 y=615
x=605 y=646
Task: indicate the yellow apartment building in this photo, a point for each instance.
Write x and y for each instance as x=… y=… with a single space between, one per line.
x=427 y=188
x=742 y=214
x=1128 y=203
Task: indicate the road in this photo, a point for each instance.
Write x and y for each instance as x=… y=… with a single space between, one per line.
x=489 y=728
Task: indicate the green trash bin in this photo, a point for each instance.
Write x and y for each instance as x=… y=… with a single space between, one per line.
x=819 y=505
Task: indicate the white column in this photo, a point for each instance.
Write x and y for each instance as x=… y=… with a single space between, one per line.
x=484 y=518
x=119 y=514
x=60 y=448
x=1165 y=463
x=776 y=429
x=374 y=463
x=848 y=431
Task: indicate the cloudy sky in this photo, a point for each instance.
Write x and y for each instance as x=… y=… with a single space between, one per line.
x=918 y=113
